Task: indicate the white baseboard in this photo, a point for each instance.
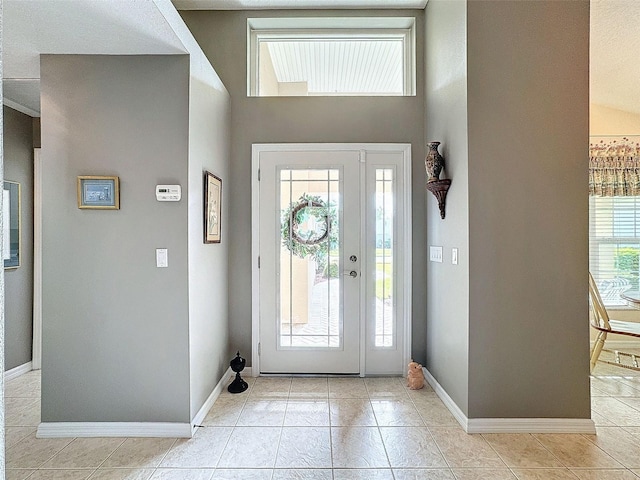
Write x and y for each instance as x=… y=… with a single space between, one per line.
x=17 y=371
x=113 y=429
x=531 y=425
x=510 y=425
x=446 y=399
x=222 y=384
x=136 y=429
x=202 y=413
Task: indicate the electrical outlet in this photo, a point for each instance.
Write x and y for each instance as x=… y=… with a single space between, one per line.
x=454 y=256
x=435 y=254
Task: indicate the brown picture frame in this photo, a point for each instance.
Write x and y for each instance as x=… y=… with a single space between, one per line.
x=212 y=208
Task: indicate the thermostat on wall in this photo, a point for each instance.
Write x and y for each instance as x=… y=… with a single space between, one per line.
x=168 y=193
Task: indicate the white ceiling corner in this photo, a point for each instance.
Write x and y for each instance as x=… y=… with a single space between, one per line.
x=22 y=95
x=90 y=27
x=295 y=4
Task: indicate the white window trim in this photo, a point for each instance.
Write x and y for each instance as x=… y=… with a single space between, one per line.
x=331 y=28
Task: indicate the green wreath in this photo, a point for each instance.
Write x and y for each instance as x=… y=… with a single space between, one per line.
x=312 y=243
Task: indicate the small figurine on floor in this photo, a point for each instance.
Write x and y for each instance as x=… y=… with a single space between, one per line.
x=237 y=365
x=415 y=377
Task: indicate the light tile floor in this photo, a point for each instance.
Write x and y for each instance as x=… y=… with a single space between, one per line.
x=334 y=429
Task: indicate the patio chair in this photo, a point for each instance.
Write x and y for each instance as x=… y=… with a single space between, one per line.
x=601 y=322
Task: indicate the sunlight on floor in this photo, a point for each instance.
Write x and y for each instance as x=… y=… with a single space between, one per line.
x=338 y=429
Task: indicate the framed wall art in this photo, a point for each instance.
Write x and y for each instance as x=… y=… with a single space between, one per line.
x=11 y=214
x=99 y=192
x=212 y=207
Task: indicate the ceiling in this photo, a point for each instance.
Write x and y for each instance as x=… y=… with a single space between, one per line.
x=114 y=27
x=615 y=43
x=34 y=27
x=368 y=67
x=297 y=4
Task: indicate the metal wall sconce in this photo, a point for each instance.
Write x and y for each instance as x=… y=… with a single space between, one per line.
x=439 y=188
x=433 y=164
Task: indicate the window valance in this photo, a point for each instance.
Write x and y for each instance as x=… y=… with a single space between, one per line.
x=614 y=168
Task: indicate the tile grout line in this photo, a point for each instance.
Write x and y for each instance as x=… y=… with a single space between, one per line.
x=91 y=474
x=548 y=450
x=384 y=445
x=155 y=469
x=601 y=449
x=330 y=428
x=433 y=439
x=110 y=455
x=499 y=456
x=244 y=404
x=226 y=444
x=48 y=459
x=235 y=423
x=275 y=458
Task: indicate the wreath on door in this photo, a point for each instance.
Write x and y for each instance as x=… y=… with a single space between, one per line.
x=306 y=227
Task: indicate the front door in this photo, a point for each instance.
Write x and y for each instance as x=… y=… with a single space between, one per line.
x=329 y=263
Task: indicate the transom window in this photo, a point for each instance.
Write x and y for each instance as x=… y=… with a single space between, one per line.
x=355 y=56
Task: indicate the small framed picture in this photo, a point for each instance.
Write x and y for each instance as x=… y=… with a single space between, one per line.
x=99 y=192
x=212 y=207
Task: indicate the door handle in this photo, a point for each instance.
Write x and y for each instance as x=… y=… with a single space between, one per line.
x=352 y=273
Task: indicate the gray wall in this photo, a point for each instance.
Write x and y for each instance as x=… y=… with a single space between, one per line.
x=115 y=327
x=528 y=93
x=446 y=113
x=222 y=36
x=209 y=149
x=518 y=84
x=18 y=167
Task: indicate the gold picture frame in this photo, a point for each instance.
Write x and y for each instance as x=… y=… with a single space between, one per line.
x=212 y=208
x=12 y=214
x=99 y=192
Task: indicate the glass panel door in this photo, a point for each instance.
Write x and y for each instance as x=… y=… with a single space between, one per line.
x=333 y=259
x=309 y=286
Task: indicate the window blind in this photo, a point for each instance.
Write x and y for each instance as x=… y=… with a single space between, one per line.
x=614 y=245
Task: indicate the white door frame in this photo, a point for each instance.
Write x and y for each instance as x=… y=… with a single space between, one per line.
x=36 y=355
x=256 y=149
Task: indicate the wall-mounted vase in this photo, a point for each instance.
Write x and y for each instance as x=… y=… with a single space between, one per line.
x=433 y=162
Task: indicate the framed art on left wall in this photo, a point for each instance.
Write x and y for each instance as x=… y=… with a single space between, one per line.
x=212 y=207
x=12 y=223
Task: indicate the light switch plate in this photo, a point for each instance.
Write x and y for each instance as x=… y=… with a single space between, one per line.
x=162 y=257
x=435 y=254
